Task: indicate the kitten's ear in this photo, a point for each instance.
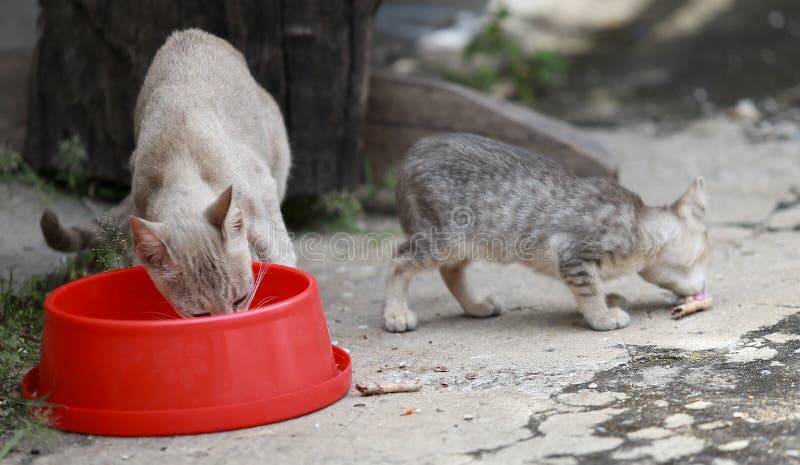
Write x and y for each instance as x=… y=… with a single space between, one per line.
x=148 y=244
x=226 y=215
x=694 y=201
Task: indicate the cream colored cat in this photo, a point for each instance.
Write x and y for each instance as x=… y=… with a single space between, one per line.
x=209 y=173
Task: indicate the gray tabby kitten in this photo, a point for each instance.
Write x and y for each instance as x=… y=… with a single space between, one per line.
x=463 y=197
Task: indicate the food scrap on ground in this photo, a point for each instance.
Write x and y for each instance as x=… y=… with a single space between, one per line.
x=371 y=388
x=692 y=305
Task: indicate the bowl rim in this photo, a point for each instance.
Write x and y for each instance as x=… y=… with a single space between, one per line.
x=271 y=311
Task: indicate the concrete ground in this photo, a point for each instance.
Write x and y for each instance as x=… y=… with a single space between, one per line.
x=719 y=387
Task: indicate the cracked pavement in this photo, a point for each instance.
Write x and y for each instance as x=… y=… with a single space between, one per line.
x=719 y=387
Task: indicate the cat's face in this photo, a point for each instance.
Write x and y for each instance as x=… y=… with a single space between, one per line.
x=201 y=265
x=682 y=265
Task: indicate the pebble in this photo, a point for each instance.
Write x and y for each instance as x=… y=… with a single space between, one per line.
x=766 y=372
x=794 y=453
x=721 y=461
x=661 y=403
x=714 y=425
x=469 y=417
x=745 y=109
x=776 y=364
x=698 y=405
x=734 y=445
x=779 y=337
x=592 y=386
x=402 y=365
x=653 y=432
x=744 y=416
x=677 y=420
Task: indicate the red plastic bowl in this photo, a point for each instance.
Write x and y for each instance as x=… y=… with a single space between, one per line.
x=117 y=360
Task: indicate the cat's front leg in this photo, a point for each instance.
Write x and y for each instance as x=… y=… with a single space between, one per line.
x=583 y=279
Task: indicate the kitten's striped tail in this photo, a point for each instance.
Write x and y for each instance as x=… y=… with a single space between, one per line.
x=74 y=238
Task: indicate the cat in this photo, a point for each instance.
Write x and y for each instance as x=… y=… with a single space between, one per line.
x=209 y=172
x=463 y=197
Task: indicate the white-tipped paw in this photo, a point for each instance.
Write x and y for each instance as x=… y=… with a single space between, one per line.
x=400 y=320
x=491 y=306
x=613 y=318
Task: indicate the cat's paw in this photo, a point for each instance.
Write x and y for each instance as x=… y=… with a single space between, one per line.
x=491 y=306
x=400 y=320
x=613 y=318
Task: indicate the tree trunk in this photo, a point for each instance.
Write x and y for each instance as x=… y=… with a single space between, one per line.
x=92 y=56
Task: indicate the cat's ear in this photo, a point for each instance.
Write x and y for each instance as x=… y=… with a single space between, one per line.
x=694 y=201
x=148 y=243
x=226 y=215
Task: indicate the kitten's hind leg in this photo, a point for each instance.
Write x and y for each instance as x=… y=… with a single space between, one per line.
x=583 y=279
x=455 y=278
x=397 y=315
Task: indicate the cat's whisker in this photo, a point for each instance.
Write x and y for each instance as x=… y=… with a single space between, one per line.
x=257 y=282
x=265 y=301
x=169 y=317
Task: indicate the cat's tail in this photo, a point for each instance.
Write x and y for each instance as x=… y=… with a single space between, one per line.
x=74 y=238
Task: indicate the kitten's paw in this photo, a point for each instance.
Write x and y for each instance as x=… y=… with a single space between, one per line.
x=400 y=321
x=613 y=318
x=491 y=306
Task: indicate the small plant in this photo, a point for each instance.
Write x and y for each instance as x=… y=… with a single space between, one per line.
x=10 y=160
x=20 y=329
x=14 y=168
x=115 y=249
x=377 y=195
x=343 y=209
x=495 y=61
x=72 y=160
x=332 y=211
x=21 y=320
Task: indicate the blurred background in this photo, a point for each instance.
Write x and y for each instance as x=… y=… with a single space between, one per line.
x=591 y=64
x=603 y=63
x=358 y=82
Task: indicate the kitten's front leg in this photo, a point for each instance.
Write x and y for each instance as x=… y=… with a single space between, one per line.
x=583 y=279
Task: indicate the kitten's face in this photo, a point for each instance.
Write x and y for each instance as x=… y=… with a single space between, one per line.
x=682 y=266
x=201 y=265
